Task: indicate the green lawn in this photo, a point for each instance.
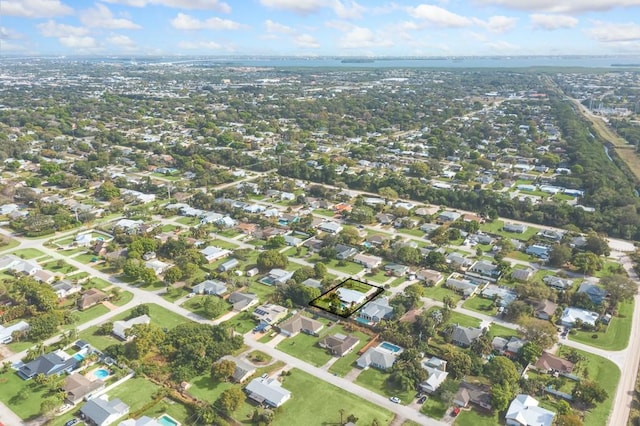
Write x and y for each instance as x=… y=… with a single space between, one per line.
x=225 y=245
x=398 y=281
x=188 y=221
x=475 y=418
x=91 y=313
x=59 y=266
x=497 y=330
x=86 y=258
x=379 y=277
x=305 y=347
x=125 y=297
x=73 y=251
x=434 y=408
x=263 y=291
x=175 y=409
x=229 y=233
x=348 y=267
x=174 y=294
x=324 y=212
x=609 y=268
x=376 y=381
x=305 y=408
x=439 y=292
x=97 y=341
x=135 y=392
x=481 y=305
x=603 y=372
x=293 y=252
x=616 y=335
x=98 y=283
x=28 y=253
x=10 y=243
x=196 y=305
x=495 y=227
x=241 y=323
x=11 y=384
x=414 y=232
x=206 y=389
x=461 y=319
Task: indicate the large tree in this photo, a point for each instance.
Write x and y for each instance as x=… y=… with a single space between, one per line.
x=542 y=333
x=619 y=287
x=270 y=259
x=230 y=400
x=223 y=369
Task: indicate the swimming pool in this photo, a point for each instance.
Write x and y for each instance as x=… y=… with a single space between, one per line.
x=390 y=347
x=166 y=420
x=79 y=356
x=101 y=373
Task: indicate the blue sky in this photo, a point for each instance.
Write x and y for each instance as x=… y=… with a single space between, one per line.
x=319 y=27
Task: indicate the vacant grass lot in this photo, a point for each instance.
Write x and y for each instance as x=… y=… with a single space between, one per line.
x=241 y=323
x=439 y=292
x=59 y=266
x=434 y=408
x=500 y=331
x=196 y=305
x=616 y=335
x=603 y=372
x=376 y=381
x=348 y=267
x=28 y=253
x=11 y=384
x=474 y=418
x=495 y=227
x=305 y=347
x=481 y=305
x=307 y=408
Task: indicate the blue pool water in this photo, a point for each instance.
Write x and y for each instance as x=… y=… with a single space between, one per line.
x=390 y=347
x=79 y=357
x=362 y=320
x=167 y=421
x=101 y=373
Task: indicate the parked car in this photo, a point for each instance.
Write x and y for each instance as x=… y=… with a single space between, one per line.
x=422 y=400
x=395 y=399
x=72 y=422
x=455 y=411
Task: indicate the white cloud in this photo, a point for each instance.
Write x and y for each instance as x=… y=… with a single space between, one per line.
x=121 y=41
x=351 y=11
x=498 y=24
x=340 y=25
x=101 y=17
x=563 y=6
x=275 y=27
x=204 y=45
x=438 y=16
x=552 y=22
x=306 y=40
x=12 y=47
x=613 y=32
x=78 y=42
x=348 y=9
x=189 y=23
x=361 y=38
x=502 y=46
x=54 y=29
x=8 y=34
x=179 y=4
x=34 y=8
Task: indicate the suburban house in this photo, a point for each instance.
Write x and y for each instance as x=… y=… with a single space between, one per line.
x=514 y=227
x=448 y=216
x=503 y=296
x=461 y=285
x=464 y=336
x=596 y=294
x=522 y=274
x=65 y=288
x=91 y=297
x=437 y=373
x=270 y=314
x=6 y=333
x=158 y=266
x=368 y=261
x=507 y=347
x=312 y=282
x=210 y=287
x=44 y=276
x=292 y=241
x=277 y=277
x=344 y=252
x=557 y=282
x=429 y=276
x=339 y=344
x=268 y=391
x=552 y=235
x=378 y=357
x=376 y=310
x=396 y=269
x=49 y=364
x=228 y=265
x=550 y=363
x=351 y=297
x=212 y=253
x=77 y=387
x=458 y=261
x=17 y=265
x=473 y=394
x=485 y=269
x=538 y=250
x=570 y=315
x=524 y=411
x=299 y=323
x=102 y=412
x=242 y=301
x=330 y=227
x=120 y=327
x=242 y=371
x=543 y=309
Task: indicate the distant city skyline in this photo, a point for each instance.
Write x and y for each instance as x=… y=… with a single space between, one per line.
x=320 y=27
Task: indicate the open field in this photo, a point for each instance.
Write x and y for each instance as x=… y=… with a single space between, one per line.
x=616 y=335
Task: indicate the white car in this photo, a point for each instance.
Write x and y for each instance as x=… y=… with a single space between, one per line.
x=395 y=399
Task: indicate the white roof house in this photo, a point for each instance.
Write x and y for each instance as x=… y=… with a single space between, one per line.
x=435 y=368
x=210 y=287
x=524 y=411
x=6 y=333
x=268 y=391
x=348 y=296
x=120 y=327
x=212 y=253
x=158 y=266
x=570 y=315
